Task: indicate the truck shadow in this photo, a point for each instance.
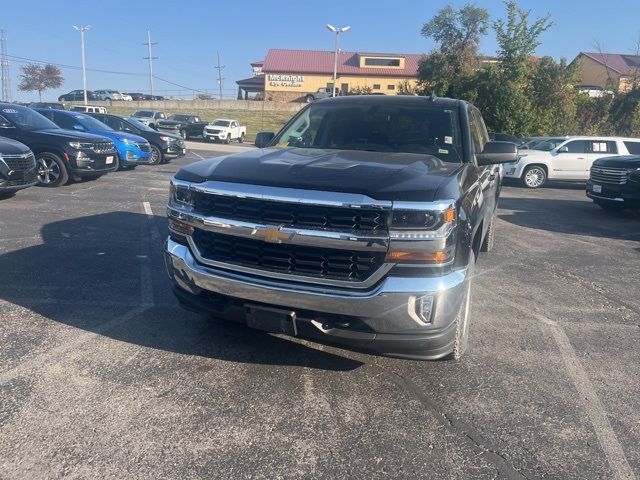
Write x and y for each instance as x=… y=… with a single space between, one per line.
x=573 y=217
x=89 y=271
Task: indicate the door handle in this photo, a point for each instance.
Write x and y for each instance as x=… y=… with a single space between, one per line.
x=580 y=158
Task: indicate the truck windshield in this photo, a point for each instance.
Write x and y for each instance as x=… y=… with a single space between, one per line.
x=376 y=128
x=138 y=124
x=221 y=123
x=179 y=118
x=26 y=118
x=143 y=113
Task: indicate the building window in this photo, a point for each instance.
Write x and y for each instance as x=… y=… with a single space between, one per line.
x=376 y=86
x=391 y=87
x=382 y=62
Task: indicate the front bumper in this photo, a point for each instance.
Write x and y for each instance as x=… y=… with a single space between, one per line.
x=18 y=180
x=382 y=319
x=214 y=135
x=513 y=170
x=627 y=194
x=92 y=164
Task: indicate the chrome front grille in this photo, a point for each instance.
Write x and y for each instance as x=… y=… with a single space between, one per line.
x=291 y=214
x=616 y=176
x=20 y=162
x=103 y=147
x=300 y=260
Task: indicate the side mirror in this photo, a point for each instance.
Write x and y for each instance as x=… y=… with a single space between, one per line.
x=564 y=149
x=497 y=152
x=263 y=139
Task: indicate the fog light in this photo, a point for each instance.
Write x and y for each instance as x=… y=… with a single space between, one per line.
x=420 y=309
x=131 y=155
x=82 y=160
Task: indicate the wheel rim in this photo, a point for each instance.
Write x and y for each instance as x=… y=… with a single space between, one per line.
x=48 y=170
x=534 y=177
x=155 y=155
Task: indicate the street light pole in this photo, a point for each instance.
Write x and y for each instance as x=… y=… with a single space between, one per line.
x=84 y=68
x=337 y=31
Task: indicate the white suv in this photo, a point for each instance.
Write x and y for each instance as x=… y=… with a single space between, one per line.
x=571 y=160
x=112 y=95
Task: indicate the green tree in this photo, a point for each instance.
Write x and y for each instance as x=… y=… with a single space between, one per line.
x=38 y=78
x=449 y=69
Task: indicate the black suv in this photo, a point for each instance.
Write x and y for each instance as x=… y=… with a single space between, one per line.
x=186 y=125
x=17 y=167
x=614 y=183
x=60 y=154
x=77 y=95
x=163 y=144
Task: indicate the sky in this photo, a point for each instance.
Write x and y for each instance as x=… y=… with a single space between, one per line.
x=189 y=33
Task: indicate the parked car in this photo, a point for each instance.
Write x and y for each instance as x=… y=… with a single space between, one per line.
x=321 y=93
x=224 y=130
x=77 y=95
x=150 y=117
x=614 y=182
x=359 y=223
x=135 y=96
x=184 y=125
x=112 y=95
x=132 y=150
x=60 y=154
x=17 y=167
x=571 y=160
x=88 y=109
x=164 y=146
x=54 y=105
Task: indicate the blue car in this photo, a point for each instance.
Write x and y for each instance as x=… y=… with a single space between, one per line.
x=132 y=149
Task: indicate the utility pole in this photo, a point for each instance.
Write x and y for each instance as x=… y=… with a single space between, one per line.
x=4 y=62
x=84 y=68
x=219 y=67
x=151 y=58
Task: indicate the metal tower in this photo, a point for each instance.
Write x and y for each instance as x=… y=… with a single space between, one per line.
x=4 y=62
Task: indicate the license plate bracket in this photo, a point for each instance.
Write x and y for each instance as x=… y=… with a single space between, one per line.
x=273 y=320
x=596 y=188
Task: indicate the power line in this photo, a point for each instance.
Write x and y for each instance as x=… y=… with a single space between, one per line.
x=151 y=59
x=72 y=67
x=4 y=61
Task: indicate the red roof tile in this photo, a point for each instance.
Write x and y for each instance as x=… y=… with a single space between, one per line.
x=315 y=61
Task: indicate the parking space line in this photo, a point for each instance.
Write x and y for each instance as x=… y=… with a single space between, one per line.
x=587 y=395
x=146 y=278
x=197 y=155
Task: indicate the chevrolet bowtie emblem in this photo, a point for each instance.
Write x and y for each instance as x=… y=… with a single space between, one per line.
x=273 y=234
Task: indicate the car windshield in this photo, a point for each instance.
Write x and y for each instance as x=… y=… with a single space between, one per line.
x=376 y=128
x=221 y=123
x=143 y=113
x=547 y=145
x=91 y=123
x=138 y=124
x=26 y=118
x=179 y=118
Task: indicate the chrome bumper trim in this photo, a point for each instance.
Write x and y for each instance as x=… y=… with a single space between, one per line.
x=385 y=308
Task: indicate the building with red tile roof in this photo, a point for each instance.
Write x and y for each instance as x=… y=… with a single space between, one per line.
x=608 y=71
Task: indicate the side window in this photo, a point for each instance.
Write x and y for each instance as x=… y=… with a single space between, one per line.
x=68 y=123
x=4 y=122
x=633 y=147
x=603 y=146
x=576 y=146
x=477 y=133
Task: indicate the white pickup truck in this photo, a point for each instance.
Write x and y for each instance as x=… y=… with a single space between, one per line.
x=224 y=130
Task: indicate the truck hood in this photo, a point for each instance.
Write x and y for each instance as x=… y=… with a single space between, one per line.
x=170 y=123
x=623 y=161
x=379 y=175
x=12 y=147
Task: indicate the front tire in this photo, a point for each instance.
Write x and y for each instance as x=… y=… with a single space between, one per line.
x=487 y=243
x=52 y=172
x=241 y=139
x=183 y=134
x=156 y=156
x=462 y=321
x=534 y=176
x=228 y=139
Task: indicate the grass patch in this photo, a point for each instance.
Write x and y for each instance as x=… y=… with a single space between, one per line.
x=255 y=120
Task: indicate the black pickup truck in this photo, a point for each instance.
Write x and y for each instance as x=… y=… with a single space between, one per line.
x=185 y=125
x=359 y=223
x=60 y=154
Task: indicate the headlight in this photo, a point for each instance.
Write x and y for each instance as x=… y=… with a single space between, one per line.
x=81 y=145
x=181 y=197
x=166 y=139
x=422 y=237
x=126 y=141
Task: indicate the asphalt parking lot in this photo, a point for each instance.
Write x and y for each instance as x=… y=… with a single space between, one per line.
x=103 y=375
